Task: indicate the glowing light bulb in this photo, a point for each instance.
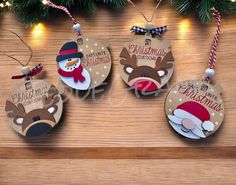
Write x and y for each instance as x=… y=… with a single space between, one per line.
x=8 y=4
x=1 y=5
x=45 y=2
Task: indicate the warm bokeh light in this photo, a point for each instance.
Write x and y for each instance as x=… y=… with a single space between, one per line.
x=44 y=2
x=38 y=34
x=184 y=27
x=233 y=1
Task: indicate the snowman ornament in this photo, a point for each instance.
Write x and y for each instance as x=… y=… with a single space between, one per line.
x=70 y=68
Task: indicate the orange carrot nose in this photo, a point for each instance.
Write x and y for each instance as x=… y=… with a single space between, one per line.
x=72 y=63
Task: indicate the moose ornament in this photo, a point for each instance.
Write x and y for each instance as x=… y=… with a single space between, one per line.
x=147 y=63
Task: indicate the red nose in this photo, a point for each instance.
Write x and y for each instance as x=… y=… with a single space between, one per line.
x=145 y=85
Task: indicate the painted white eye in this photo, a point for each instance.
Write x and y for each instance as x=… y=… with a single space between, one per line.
x=129 y=69
x=161 y=73
x=19 y=120
x=51 y=110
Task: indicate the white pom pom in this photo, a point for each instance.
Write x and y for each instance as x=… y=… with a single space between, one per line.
x=210 y=73
x=76 y=27
x=208 y=126
x=25 y=70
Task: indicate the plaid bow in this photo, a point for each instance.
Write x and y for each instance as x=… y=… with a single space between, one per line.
x=36 y=70
x=155 y=31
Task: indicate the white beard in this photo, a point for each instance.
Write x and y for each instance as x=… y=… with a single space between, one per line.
x=70 y=80
x=176 y=122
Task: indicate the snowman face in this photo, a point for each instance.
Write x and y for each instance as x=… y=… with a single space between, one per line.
x=186 y=124
x=69 y=64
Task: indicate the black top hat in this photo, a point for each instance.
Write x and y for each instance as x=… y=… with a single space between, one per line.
x=69 y=50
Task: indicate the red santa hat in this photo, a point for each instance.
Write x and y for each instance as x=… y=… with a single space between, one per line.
x=198 y=111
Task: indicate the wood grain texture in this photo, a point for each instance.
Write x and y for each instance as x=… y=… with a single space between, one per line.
x=119 y=125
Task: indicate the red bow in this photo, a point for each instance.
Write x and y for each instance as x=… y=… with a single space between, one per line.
x=37 y=69
x=76 y=74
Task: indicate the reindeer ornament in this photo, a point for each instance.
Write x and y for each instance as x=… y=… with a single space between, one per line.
x=35 y=106
x=147 y=63
x=33 y=111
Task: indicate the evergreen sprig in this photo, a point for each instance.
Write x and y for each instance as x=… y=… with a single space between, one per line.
x=202 y=7
x=31 y=11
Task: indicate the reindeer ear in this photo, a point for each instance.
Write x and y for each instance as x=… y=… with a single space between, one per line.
x=128 y=69
x=161 y=73
x=18 y=120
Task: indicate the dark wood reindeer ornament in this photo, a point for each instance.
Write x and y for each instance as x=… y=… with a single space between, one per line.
x=35 y=106
x=33 y=111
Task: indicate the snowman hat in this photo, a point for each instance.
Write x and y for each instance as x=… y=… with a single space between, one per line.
x=197 y=112
x=69 y=50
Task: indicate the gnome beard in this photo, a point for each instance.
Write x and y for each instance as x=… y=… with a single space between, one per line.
x=191 y=120
x=74 y=75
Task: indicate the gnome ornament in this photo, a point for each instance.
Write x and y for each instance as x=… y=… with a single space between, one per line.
x=195 y=108
x=70 y=67
x=84 y=64
x=192 y=120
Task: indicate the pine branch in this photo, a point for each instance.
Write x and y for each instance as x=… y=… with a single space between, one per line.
x=202 y=7
x=31 y=11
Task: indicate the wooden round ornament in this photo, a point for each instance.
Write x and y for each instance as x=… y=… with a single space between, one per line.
x=147 y=63
x=84 y=64
x=34 y=108
x=195 y=109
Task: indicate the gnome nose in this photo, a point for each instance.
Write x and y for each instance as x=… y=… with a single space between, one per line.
x=188 y=124
x=72 y=62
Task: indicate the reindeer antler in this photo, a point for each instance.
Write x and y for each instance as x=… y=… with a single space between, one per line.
x=165 y=64
x=52 y=97
x=127 y=59
x=13 y=110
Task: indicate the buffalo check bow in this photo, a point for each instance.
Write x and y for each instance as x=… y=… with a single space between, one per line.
x=155 y=31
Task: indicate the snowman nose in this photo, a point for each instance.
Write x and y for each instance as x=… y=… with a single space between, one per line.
x=72 y=62
x=188 y=124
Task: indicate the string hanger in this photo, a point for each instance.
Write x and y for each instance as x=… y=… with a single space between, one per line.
x=138 y=10
x=149 y=30
x=27 y=73
x=212 y=58
x=76 y=25
x=18 y=61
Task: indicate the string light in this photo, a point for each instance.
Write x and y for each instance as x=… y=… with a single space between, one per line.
x=5 y=4
x=44 y=2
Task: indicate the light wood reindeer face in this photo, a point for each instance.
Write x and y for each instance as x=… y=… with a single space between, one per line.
x=134 y=71
x=37 y=121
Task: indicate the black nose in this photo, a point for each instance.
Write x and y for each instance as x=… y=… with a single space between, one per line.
x=38 y=130
x=145 y=74
x=36 y=118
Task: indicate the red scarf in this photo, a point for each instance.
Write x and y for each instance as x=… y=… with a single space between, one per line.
x=76 y=74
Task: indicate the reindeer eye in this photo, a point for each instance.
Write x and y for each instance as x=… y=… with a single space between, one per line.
x=161 y=73
x=19 y=120
x=51 y=110
x=129 y=69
